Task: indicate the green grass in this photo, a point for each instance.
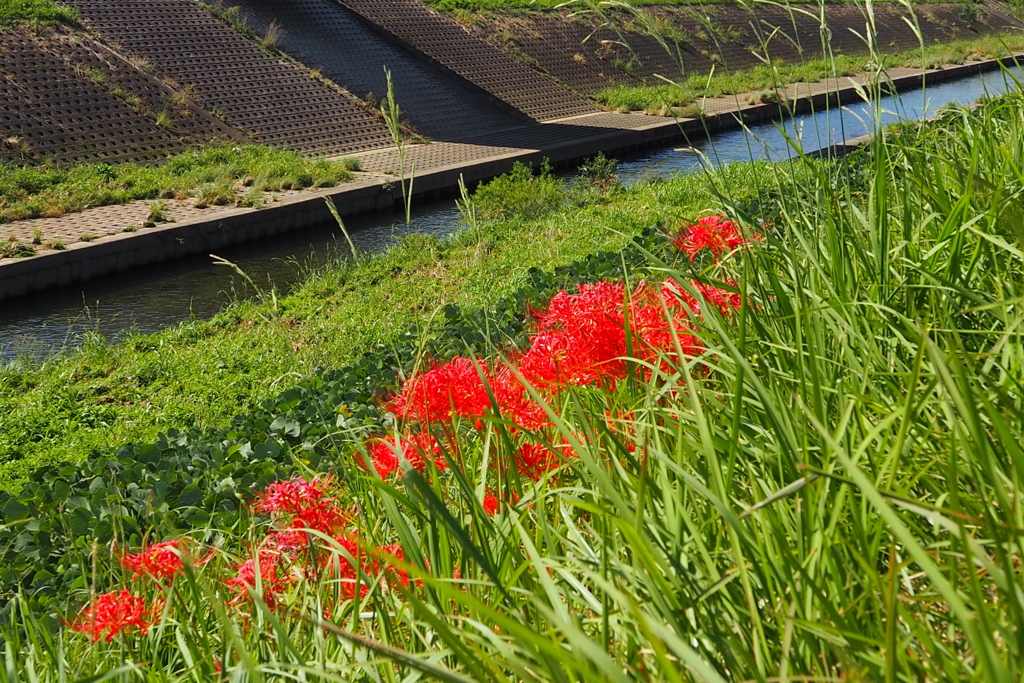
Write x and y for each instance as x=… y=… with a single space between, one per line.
x=35 y=11
x=204 y=372
x=213 y=174
x=832 y=490
x=763 y=80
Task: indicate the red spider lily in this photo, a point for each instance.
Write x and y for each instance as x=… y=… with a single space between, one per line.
x=722 y=299
x=455 y=388
x=417 y=449
x=308 y=503
x=385 y=558
x=114 y=612
x=160 y=561
x=288 y=542
x=714 y=233
x=534 y=460
x=346 y=568
x=674 y=295
x=272 y=575
x=580 y=338
x=515 y=402
x=490 y=504
x=382 y=455
x=655 y=328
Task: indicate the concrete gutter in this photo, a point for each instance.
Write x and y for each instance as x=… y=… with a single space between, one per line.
x=84 y=261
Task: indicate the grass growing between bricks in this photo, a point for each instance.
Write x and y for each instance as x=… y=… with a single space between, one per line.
x=215 y=174
x=761 y=82
x=204 y=372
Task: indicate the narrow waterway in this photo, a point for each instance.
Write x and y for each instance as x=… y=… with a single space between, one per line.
x=149 y=299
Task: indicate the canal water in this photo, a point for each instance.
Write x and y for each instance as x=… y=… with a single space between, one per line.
x=149 y=299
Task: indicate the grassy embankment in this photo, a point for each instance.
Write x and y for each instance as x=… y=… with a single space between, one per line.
x=762 y=82
x=817 y=478
x=35 y=12
x=202 y=373
x=212 y=175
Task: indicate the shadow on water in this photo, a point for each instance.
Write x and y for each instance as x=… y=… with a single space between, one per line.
x=146 y=300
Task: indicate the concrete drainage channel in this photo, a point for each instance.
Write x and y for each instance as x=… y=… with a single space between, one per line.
x=149 y=299
x=122 y=252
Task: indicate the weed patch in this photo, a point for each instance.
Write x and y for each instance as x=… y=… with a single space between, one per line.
x=213 y=175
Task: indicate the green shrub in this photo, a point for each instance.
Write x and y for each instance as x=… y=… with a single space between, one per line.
x=520 y=194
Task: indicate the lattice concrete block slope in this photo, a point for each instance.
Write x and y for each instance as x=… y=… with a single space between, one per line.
x=325 y=35
x=443 y=40
x=271 y=98
x=522 y=139
x=586 y=56
x=66 y=98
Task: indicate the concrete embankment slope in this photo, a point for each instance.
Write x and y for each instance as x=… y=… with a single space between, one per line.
x=140 y=79
x=327 y=36
x=444 y=42
x=207 y=78
x=66 y=97
x=274 y=101
x=586 y=53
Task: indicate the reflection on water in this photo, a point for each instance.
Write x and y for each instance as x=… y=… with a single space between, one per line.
x=151 y=298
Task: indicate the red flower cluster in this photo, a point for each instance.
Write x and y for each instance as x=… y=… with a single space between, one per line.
x=308 y=504
x=265 y=572
x=584 y=338
x=293 y=553
x=453 y=388
x=534 y=460
x=417 y=449
x=580 y=339
x=114 y=612
x=515 y=401
x=160 y=561
x=714 y=233
x=490 y=504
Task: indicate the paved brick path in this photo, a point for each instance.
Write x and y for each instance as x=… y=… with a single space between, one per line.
x=101 y=221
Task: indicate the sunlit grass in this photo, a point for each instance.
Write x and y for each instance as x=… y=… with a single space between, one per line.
x=212 y=174
x=828 y=491
x=36 y=12
x=826 y=485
